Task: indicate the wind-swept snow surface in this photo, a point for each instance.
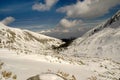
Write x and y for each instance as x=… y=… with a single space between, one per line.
x=24 y=66
x=102 y=41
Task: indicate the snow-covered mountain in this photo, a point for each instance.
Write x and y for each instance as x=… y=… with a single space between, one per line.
x=24 y=41
x=103 y=40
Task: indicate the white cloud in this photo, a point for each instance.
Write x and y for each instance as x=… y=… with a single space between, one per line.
x=8 y=20
x=68 y=29
x=69 y=23
x=89 y=8
x=44 y=7
x=66 y=33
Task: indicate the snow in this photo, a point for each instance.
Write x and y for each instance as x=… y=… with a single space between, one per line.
x=25 y=66
x=2 y=26
x=25 y=41
x=93 y=56
x=50 y=77
x=102 y=41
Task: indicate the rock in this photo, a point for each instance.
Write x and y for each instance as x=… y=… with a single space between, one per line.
x=34 y=78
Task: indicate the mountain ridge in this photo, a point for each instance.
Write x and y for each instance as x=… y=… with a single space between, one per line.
x=105 y=24
x=25 y=41
x=101 y=41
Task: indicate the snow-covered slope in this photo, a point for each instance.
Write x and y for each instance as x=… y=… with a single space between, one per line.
x=103 y=40
x=25 y=66
x=24 y=41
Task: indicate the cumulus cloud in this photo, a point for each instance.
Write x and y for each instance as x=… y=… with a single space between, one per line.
x=88 y=8
x=44 y=7
x=8 y=20
x=69 y=23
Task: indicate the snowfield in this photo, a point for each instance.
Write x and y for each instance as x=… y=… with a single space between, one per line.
x=25 y=66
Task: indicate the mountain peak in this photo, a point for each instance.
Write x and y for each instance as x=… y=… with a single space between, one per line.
x=112 y=22
x=113 y=19
x=118 y=13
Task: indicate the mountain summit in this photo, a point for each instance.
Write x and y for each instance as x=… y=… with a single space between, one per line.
x=113 y=22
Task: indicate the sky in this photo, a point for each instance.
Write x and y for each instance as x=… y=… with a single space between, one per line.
x=57 y=18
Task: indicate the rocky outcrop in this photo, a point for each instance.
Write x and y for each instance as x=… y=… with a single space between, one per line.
x=34 y=78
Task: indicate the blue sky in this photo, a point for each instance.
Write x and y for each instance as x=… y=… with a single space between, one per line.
x=51 y=15
x=22 y=11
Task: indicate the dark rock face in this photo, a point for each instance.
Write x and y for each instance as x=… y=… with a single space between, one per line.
x=34 y=78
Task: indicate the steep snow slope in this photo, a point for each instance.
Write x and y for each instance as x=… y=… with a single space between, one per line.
x=24 y=41
x=103 y=40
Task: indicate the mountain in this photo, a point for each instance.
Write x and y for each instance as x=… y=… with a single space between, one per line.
x=103 y=40
x=25 y=41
